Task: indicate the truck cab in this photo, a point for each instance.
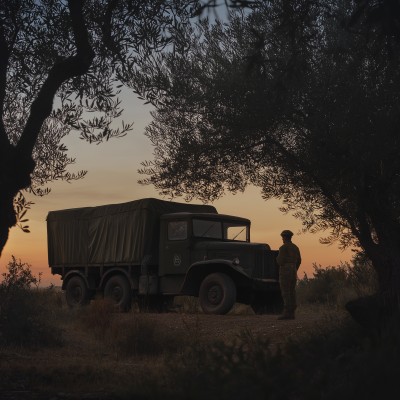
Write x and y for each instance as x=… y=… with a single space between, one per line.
x=194 y=246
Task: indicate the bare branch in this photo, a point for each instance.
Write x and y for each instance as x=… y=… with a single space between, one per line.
x=60 y=72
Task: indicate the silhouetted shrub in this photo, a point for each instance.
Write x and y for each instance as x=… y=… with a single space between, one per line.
x=337 y=285
x=338 y=359
x=130 y=334
x=141 y=335
x=96 y=317
x=26 y=314
x=187 y=305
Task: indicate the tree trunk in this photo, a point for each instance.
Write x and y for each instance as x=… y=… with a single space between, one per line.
x=7 y=216
x=15 y=175
x=383 y=308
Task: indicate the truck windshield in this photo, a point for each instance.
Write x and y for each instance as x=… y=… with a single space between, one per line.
x=234 y=231
x=219 y=230
x=210 y=229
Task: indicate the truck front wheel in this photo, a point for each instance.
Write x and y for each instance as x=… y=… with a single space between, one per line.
x=77 y=293
x=119 y=289
x=217 y=294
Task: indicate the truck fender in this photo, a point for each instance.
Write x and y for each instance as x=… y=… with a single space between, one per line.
x=199 y=270
x=113 y=271
x=89 y=281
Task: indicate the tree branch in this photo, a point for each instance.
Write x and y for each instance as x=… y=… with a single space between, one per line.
x=325 y=192
x=4 y=56
x=76 y=65
x=106 y=27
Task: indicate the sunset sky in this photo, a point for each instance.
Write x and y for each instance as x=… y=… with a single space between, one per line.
x=112 y=178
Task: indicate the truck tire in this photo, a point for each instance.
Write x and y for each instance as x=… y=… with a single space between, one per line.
x=217 y=294
x=77 y=293
x=119 y=289
x=267 y=303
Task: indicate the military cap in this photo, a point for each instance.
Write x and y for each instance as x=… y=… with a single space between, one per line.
x=287 y=233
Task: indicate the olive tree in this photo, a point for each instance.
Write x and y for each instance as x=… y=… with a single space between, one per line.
x=307 y=111
x=62 y=64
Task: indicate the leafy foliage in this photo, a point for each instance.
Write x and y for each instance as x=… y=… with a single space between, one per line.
x=337 y=285
x=25 y=313
x=331 y=361
x=37 y=39
x=21 y=206
x=313 y=122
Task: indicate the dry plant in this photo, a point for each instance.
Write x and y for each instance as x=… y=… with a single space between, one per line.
x=27 y=315
x=241 y=309
x=333 y=287
x=96 y=317
x=191 y=305
x=187 y=305
x=141 y=335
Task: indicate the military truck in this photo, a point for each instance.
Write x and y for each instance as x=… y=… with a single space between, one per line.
x=153 y=250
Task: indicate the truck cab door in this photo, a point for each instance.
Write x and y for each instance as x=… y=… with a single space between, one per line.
x=176 y=258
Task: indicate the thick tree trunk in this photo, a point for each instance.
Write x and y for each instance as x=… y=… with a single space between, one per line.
x=7 y=217
x=16 y=163
x=382 y=309
x=15 y=171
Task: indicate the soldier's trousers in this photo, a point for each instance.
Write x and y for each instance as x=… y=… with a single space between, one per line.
x=287 y=281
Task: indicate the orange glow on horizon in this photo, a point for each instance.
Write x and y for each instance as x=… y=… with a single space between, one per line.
x=112 y=178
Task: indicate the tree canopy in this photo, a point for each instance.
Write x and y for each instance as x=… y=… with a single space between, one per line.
x=308 y=114
x=62 y=65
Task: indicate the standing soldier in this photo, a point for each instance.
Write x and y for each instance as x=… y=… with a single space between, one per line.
x=289 y=261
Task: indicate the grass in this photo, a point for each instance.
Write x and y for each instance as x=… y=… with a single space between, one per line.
x=334 y=286
x=191 y=305
x=96 y=350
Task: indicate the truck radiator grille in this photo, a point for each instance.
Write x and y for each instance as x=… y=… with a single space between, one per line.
x=265 y=265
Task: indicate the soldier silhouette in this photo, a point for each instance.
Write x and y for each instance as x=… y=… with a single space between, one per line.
x=289 y=261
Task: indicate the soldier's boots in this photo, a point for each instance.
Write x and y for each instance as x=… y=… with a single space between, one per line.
x=287 y=314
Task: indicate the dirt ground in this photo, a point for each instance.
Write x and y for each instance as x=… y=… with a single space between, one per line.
x=225 y=326
x=81 y=355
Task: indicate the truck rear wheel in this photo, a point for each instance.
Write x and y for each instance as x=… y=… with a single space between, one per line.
x=77 y=293
x=217 y=294
x=119 y=289
x=267 y=303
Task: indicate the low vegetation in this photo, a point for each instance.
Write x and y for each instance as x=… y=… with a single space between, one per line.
x=334 y=286
x=28 y=317
x=99 y=352
x=337 y=359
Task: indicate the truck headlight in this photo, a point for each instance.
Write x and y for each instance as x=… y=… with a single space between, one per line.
x=236 y=261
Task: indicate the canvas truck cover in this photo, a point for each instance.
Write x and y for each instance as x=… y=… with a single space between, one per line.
x=114 y=233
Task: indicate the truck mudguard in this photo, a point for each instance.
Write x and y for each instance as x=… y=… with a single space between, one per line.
x=89 y=281
x=199 y=270
x=113 y=271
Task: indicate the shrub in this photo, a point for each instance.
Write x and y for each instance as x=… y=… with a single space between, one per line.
x=337 y=285
x=191 y=305
x=96 y=317
x=338 y=359
x=188 y=304
x=26 y=315
x=129 y=334
x=140 y=335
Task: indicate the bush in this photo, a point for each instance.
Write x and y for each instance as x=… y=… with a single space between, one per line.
x=26 y=314
x=140 y=335
x=337 y=285
x=339 y=359
x=129 y=334
x=96 y=317
x=188 y=305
